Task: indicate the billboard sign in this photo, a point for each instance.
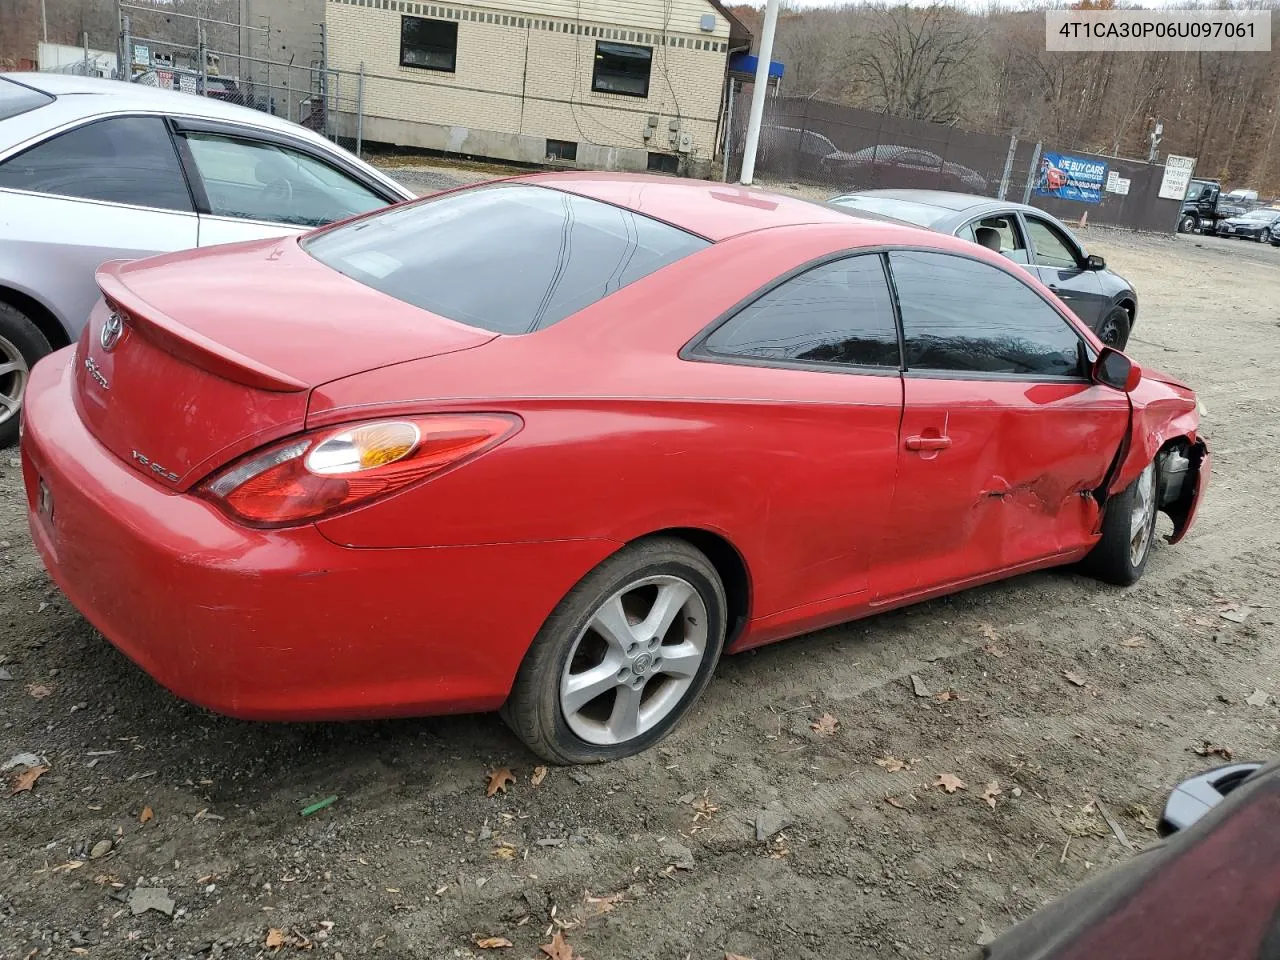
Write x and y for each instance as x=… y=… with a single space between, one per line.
x=1071 y=178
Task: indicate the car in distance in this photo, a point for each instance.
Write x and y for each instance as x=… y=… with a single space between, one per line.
x=93 y=170
x=1254 y=225
x=1032 y=238
x=388 y=473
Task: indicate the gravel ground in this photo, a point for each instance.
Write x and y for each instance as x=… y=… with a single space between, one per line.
x=1047 y=694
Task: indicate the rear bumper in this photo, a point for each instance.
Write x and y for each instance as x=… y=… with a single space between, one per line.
x=277 y=624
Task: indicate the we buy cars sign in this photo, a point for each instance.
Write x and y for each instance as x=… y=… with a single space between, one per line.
x=1071 y=178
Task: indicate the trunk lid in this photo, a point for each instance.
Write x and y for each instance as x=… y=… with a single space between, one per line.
x=219 y=350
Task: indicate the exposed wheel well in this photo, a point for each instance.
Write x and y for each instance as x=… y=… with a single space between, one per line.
x=44 y=320
x=1130 y=308
x=731 y=567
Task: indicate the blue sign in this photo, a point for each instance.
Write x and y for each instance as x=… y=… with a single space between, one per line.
x=1071 y=178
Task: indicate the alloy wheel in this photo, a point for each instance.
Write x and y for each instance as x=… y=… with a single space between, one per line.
x=13 y=379
x=1109 y=332
x=635 y=660
x=1142 y=516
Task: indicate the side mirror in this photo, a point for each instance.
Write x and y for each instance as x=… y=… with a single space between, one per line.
x=1193 y=798
x=1113 y=369
x=1094 y=262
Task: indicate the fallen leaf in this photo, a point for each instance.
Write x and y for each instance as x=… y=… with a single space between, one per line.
x=1208 y=749
x=735 y=956
x=825 y=725
x=277 y=939
x=918 y=687
x=498 y=780
x=1143 y=816
x=950 y=782
x=992 y=650
x=894 y=802
x=1257 y=699
x=1074 y=678
x=946 y=695
x=602 y=905
x=80 y=951
x=539 y=774
x=891 y=764
x=25 y=780
x=505 y=851
x=38 y=690
x=989 y=632
x=492 y=943
x=146 y=815
x=1133 y=642
x=993 y=790
x=558 y=948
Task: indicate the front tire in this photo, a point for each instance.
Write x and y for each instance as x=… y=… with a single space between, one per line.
x=1128 y=531
x=1114 y=329
x=1187 y=224
x=623 y=657
x=21 y=345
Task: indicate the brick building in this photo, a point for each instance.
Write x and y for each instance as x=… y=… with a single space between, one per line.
x=613 y=84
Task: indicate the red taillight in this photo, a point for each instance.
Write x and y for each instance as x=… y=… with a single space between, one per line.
x=337 y=468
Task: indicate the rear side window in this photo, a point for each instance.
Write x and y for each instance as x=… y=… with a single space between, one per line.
x=16 y=98
x=122 y=160
x=838 y=312
x=509 y=258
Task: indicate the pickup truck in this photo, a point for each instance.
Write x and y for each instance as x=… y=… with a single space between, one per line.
x=1206 y=204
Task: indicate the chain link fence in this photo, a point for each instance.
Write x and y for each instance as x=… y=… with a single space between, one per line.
x=224 y=59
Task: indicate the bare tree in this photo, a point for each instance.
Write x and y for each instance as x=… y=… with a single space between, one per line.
x=921 y=63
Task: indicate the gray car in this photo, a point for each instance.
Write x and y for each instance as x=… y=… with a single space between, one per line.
x=94 y=170
x=1027 y=236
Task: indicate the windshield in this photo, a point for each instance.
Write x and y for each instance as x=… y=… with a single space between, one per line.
x=1266 y=215
x=921 y=214
x=509 y=258
x=16 y=99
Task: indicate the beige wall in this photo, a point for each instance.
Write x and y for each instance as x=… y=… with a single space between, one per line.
x=521 y=81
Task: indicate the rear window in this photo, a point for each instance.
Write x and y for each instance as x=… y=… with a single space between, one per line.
x=921 y=214
x=509 y=258
x=16 y=99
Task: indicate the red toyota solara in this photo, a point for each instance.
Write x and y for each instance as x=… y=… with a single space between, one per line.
x=553 y=444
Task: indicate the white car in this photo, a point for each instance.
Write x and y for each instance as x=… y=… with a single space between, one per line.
x=94 y=170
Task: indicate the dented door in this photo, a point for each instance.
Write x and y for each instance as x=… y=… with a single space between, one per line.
x=1003 y=434
x=999 y=477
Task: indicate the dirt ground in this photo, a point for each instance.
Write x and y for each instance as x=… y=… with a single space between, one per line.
x=1065 y=693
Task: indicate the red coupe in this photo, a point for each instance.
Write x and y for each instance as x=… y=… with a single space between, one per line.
x=553 y=444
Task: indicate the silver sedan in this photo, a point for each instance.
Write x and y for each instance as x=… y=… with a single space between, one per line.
x=94 y=170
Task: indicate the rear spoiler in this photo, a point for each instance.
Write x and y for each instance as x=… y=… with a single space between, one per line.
x=186 y=344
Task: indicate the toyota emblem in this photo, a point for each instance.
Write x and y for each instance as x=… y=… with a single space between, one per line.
x=111 y=331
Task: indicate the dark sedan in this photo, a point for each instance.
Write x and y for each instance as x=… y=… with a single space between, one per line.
x=1254 y=225
x=1027 y=236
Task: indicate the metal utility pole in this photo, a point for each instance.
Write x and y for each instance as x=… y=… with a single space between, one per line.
x=760 y=88
x=1156 y=135
x=728 y=131
x=44 y=24
x=360 y=112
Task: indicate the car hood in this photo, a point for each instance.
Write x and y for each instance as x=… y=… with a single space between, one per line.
x=1150 y=373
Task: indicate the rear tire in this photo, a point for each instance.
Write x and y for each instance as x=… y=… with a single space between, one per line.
x=1128 y=531
x=21 y=345
x=604 y=678
x=1114 y=328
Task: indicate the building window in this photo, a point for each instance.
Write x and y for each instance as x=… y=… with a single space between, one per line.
x=622 y=68
x=562 y=150
x=428 y=44
x=664 y=163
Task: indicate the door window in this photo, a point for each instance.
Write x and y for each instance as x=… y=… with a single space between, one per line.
x=127 y=160
x=1052 y=248
x=255 y=180
x=967 y=316
x=1012 y=243
x=839 y=312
